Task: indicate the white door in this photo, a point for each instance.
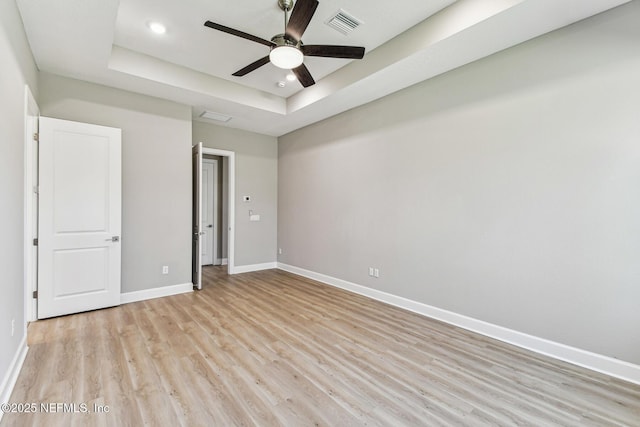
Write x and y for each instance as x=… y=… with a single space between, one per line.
x=79 y=217
x=209 y=220
x=196 y=255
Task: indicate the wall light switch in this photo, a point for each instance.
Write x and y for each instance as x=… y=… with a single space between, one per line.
x=165 y=269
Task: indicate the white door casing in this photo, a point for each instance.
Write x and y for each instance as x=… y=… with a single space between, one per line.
x=79 y=225
x=218 y=231
x=32 y=114
x=208 y=222
x=196 y=256
x=224 y=208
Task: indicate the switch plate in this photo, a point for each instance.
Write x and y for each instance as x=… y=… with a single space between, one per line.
x=279 y=251
x=376 y=272
x=254 y=218
x=371 y=271
x=165 y=269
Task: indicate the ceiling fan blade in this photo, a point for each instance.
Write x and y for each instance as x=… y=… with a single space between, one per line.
x=304 y=76
x=300 y=17
x=330 y=51
x=251 y=67
x=238 y=33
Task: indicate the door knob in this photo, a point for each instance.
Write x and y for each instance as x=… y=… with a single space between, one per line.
x=210 y=226
x=113 y=239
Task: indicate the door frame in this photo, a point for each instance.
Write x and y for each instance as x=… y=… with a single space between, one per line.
x=231 y=205
x=31 y=111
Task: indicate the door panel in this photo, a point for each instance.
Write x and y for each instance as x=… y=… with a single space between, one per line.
x=80 y=182
x=80 y=217
x=90 y=265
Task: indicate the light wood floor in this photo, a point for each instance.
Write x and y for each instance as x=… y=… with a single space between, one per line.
x=271 y=348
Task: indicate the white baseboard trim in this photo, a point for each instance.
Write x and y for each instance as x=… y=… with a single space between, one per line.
x=224 y=261
x=254 y=267
x=586 y=359
x=163 y=291
x=11 y=376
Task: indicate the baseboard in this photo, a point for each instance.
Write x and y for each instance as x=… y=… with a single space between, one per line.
x=11 y=376
x=254 y=267
x=163 y=291
x=586 y=359
x=224 y=261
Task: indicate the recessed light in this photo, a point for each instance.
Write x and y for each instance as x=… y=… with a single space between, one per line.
x=157 y=27
x=291 y=77
x=281 y=84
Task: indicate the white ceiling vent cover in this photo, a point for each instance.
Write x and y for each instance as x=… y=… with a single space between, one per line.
x=219 y=117
x=343 y=22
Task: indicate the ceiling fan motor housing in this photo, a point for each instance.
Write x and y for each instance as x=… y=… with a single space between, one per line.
x=285 y=40
x=286 y=52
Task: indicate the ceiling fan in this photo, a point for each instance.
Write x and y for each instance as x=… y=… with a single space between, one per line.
x=287 y=49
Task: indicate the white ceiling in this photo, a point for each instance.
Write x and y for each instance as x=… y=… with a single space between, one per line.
x=108 y=42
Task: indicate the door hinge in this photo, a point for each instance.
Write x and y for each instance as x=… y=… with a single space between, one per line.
x=35 y=242
x=36 y=190
x=36 y=137
x=35 y=294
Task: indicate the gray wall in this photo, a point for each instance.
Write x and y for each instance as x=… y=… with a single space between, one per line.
x=507 y=190
x=256 y=176
x=156 y=174
x=16 y=69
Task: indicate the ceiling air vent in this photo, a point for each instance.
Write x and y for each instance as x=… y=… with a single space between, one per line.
x=343 y=22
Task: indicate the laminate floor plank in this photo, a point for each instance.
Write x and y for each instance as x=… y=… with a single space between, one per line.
x=274 y=349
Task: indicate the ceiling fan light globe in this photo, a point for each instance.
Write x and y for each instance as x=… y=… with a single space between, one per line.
x=286 y=57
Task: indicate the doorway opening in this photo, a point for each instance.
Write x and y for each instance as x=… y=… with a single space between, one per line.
x=213 y=219
x=213 y=210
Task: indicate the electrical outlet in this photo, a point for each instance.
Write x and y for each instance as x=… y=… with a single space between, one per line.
x=165 y=269
x=13 y=327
